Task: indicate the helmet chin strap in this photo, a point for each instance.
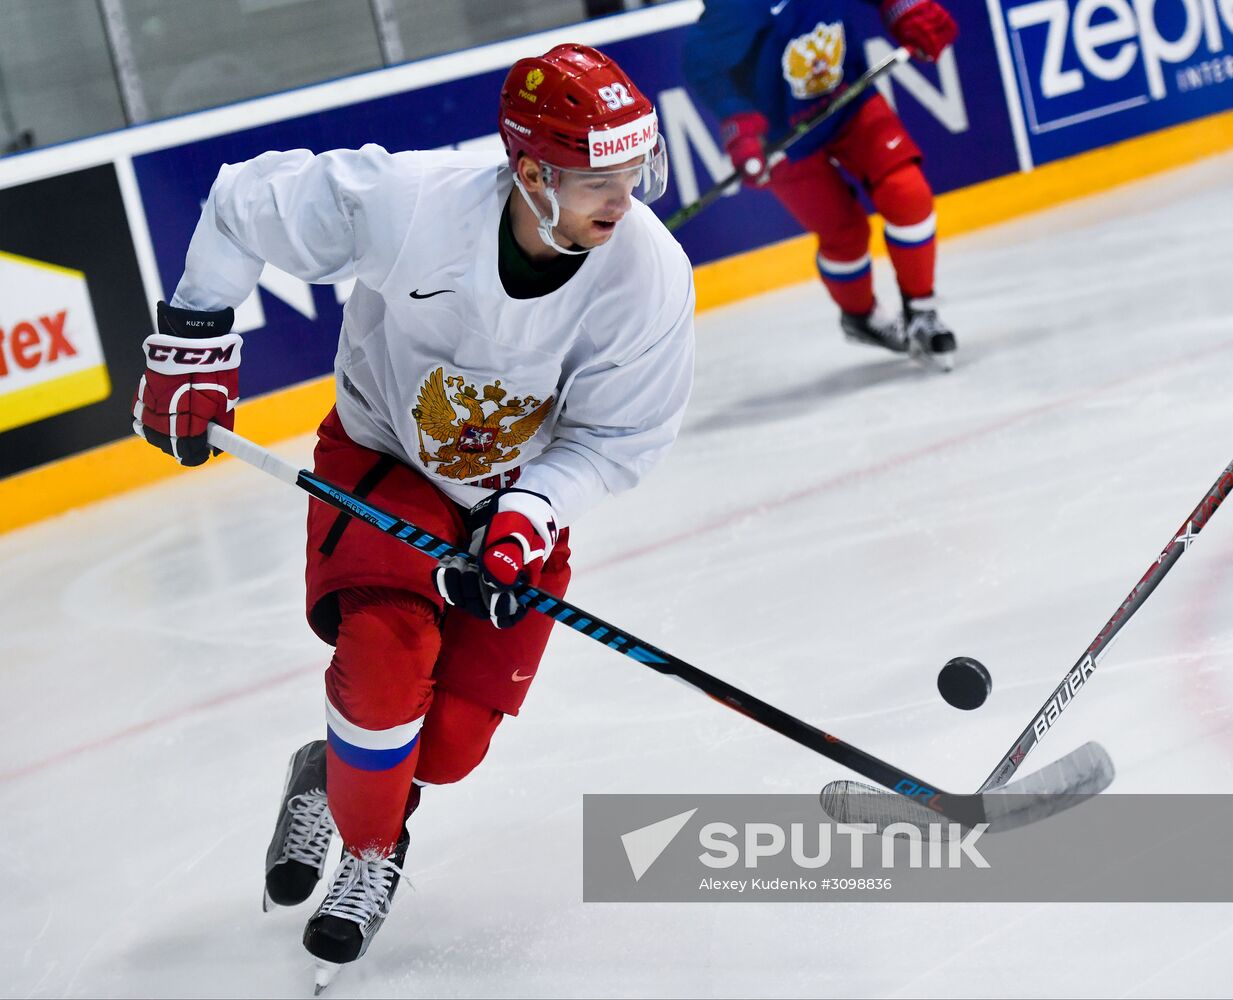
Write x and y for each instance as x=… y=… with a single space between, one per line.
x=546 y=224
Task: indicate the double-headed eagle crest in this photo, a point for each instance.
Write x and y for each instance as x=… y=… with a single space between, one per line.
x=472 y=445
x=813 y=63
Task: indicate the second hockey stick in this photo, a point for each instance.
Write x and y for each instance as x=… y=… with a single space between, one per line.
x=851 y=801
x=1076 y=678
x=1060 y=785
x=862 y=83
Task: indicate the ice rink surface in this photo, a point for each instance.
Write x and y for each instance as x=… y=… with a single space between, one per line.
x=833 y=525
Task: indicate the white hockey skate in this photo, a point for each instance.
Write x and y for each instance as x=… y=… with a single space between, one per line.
x=929 y=340
x=295 y=860
x=353 y=911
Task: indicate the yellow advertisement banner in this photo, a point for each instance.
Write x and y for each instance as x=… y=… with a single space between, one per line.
x=46 y=399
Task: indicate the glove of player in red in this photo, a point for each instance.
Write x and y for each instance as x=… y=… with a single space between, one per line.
x=512 y=532
x=192 y=378
x=924 y=26
x=744 y=138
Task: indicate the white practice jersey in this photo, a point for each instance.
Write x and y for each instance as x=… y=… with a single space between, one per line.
x=574 y=394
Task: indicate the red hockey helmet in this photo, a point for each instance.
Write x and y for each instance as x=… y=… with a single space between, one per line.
x=573 y=107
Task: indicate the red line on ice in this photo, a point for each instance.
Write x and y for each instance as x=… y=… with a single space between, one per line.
x=138 y=728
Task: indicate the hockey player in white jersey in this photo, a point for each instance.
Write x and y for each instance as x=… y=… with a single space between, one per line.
x=518 y=346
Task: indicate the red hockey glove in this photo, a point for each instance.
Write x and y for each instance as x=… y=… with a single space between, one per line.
x=512 y=532
x=924 y=26
x=744 y=138
x=192 y=378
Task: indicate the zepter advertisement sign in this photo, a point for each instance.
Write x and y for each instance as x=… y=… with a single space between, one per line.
x=51 y=356
x=1094 y=72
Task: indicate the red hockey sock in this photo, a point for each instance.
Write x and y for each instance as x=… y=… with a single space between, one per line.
x=822 y=201
x=850 y=282
x=378 y=689
x=843 y=258
x=906 y=203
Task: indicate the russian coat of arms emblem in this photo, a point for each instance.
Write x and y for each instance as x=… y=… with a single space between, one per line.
x=477 y=430
x=813 y=63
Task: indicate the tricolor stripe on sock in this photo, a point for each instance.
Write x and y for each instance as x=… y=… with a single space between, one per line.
x=370 y=749
x=915 y=235
x=844 y=270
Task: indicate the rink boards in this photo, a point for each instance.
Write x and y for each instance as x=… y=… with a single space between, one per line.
x=1037 y=102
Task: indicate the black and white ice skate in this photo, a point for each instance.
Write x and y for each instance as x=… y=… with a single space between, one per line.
x=929 y=340
x=875 y=329
x=353 y=910
x=295 y=860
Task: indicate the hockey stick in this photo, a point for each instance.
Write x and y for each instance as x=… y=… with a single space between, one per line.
x=683 y=215
x=1064 y=694
x=852 y=801
x=1080 y=774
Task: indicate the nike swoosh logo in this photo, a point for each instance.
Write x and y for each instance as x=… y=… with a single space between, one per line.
x=428 y=295
x=778 y=7
x=516 y=676
x=892 y=143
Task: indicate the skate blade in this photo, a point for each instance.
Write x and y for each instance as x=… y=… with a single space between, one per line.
x=267 y=904
x=943 y=361
x=324 y=975
x=895 y=347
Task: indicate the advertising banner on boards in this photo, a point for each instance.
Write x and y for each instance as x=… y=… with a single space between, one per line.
x=73 y=314
x=1099 y=71
x=956 y=110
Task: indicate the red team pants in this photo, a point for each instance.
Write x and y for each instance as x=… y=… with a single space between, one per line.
x=876 y=150
x=415 y=690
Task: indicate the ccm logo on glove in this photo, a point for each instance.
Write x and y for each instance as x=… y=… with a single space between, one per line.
x=190 y=355
x=513 y=564
x=191 y=380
